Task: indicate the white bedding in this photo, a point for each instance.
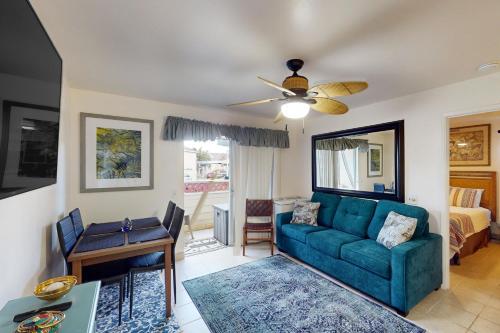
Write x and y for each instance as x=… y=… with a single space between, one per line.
x=481 y=217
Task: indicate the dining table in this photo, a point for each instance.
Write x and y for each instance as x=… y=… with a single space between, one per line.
x=113 y=244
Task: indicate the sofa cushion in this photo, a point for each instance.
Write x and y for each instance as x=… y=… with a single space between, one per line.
x=299 y=231
x=369 y=255
x=384 y=207
x=353 y=215
x=330 y=241
x=329 y=204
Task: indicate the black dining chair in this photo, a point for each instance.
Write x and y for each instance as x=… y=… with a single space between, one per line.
x=76 y=217
x=169 y=214
x=107 y=273
x=156 y=261
x=167 y=219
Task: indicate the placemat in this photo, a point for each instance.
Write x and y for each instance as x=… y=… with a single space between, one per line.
x=144 y=235
x=92 y=243
x=103 y=228
x=146 y=222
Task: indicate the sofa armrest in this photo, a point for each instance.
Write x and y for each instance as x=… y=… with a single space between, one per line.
x=283 y=218
x=416 y=270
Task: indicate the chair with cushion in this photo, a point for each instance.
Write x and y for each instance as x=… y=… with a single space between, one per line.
x=76 y=217
x=107 y=273
x=259 y=209
x=156 y=261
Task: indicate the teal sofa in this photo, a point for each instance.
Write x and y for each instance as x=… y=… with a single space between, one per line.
x=344 y=246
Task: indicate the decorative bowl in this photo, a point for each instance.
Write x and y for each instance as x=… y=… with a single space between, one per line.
x=64 y=285
x=43 y=322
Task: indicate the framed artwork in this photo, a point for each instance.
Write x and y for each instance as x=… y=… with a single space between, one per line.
x=116 y=153
x=470 y=145
x=375 y=160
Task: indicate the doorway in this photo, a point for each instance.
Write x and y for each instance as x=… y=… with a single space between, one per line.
x=206 y=196
x=474 y=231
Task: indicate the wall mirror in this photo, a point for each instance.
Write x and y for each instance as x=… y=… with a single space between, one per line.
x=365 y=162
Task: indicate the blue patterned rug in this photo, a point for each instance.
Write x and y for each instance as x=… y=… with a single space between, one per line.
x=275 y=294
x=149 y=308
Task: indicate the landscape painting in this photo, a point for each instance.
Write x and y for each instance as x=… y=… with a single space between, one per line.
x=375 y=160
x=470 y=145
x=118 y=153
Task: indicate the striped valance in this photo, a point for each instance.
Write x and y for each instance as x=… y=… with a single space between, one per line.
x=177 y=128
x=338 y=144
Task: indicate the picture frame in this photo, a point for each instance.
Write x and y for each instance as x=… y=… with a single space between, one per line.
x=116 y=153
x=375 y=160
x=470 y=145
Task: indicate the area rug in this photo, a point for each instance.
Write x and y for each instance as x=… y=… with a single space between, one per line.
x=149 y=308
x=198 y=246
x=275 y=294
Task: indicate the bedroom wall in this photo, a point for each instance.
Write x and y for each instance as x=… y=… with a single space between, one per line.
x=169 y=155
x=492 y=118
x=426 y=146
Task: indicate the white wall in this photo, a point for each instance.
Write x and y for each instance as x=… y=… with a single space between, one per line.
x=426 y=157
x=169 y=155
x=28 y=240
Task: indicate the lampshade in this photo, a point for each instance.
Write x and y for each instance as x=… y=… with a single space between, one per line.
x=295 y=110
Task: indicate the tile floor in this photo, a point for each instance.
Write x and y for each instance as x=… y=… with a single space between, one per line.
x=471 y=305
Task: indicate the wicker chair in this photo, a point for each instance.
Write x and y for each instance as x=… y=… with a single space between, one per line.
x=259 y=208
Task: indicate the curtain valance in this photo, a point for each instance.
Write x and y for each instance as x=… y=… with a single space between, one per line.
x=337 y=144
x=177 y=128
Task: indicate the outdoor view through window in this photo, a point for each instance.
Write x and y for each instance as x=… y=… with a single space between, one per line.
x=206 y=194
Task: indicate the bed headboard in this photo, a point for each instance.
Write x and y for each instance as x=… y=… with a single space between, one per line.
x=486 y=180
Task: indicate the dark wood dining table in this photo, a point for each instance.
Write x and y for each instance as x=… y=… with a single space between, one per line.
x=80 y=259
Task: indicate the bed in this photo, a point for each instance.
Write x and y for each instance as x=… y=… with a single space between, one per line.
x=470 y=227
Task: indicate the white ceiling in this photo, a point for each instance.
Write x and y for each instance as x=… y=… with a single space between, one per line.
x=209 y=53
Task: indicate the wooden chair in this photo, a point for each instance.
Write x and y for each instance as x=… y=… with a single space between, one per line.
x=258 y=208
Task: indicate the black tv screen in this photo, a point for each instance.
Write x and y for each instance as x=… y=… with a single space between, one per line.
x=30 y=94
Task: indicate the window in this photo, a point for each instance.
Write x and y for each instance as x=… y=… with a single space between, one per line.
x=348 y=169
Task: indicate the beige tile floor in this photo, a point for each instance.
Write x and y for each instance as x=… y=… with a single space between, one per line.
x=471 y=305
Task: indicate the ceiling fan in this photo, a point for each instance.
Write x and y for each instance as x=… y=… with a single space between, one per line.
x=299 y=98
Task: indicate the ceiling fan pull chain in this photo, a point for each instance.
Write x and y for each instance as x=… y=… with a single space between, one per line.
x=303 y=124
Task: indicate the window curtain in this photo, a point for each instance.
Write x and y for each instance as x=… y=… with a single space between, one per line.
x=327 y=168
x=177 y=128
x=253 y=176
x=338 y=144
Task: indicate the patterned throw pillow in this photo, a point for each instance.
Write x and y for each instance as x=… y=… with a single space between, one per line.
x=397 y=229
x=305 y=212
x=465 y=197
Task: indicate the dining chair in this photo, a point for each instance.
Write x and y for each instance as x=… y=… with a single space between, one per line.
x=156 y=261
x=259 y=209
x=167 y=219
x=107 y=273
x=169 y=214
x=76 y=217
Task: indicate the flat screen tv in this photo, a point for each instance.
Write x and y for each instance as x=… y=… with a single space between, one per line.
x=30 y=94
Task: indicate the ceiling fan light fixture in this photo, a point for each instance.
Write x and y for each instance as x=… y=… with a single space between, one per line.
x=295 y=110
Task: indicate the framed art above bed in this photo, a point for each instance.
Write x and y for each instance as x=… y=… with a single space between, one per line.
x=470 y=145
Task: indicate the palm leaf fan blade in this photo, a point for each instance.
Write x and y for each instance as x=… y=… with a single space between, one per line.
x=329 y=106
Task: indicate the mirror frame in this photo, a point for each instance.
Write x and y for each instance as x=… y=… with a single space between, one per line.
x=399 y=159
